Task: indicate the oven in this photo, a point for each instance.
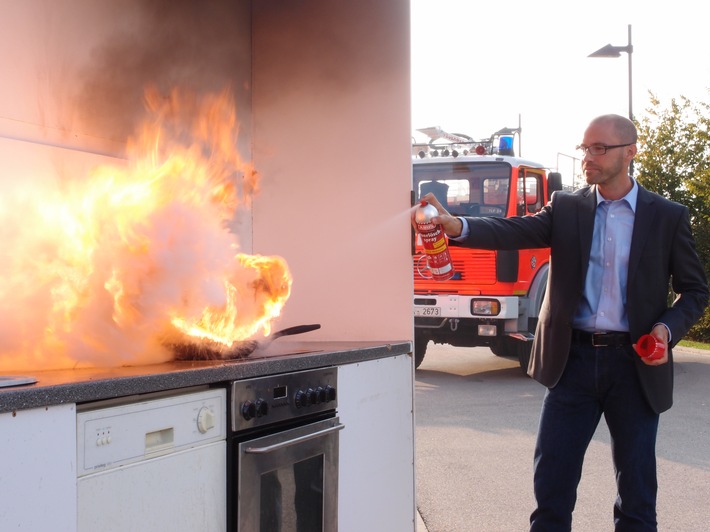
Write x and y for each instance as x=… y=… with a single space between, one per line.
x=283 y=453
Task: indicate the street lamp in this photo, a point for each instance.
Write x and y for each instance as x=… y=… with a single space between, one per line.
x=615 y=51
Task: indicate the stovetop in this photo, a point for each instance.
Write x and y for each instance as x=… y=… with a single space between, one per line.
x=91 y=384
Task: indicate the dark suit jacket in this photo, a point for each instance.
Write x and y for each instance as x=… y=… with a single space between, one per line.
x=662 y=251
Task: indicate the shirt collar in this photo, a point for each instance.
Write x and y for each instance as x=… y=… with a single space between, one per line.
x=630 y=197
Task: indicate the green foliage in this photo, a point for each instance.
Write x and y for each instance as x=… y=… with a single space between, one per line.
x=674 y=161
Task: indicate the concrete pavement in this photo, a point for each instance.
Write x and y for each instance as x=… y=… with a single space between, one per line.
x=476 y=418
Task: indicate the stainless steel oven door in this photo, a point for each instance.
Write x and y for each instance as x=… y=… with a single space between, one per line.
x=288 y=481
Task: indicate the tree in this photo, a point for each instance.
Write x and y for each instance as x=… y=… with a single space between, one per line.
x=674 y=161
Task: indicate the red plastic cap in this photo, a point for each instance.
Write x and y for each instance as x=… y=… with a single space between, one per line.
x=649 y=347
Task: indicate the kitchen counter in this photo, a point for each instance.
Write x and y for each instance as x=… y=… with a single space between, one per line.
x=54 y=387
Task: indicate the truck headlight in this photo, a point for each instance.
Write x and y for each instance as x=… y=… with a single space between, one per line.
x=485 y=307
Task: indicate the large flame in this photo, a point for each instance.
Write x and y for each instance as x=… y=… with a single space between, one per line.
x=111 y=268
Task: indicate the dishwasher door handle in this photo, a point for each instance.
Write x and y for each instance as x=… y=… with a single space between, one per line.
x=294 y=441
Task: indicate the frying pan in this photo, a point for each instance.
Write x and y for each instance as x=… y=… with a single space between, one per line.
x=208 y=350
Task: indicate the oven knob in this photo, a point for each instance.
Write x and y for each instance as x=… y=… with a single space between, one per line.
x=205 y=420
x=313 y=396
x=302 y=399
x=321 y=395
x=248 y=410
x=330 y=393
x=261 y=407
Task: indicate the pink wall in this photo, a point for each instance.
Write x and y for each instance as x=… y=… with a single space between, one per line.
x=331 y=137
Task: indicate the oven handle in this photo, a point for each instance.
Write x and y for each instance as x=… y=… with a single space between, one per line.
x=294 y=441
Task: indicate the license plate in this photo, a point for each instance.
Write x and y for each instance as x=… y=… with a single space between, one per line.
x=427 y=311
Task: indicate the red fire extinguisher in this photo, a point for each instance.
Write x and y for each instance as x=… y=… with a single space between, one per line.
x=434 y=241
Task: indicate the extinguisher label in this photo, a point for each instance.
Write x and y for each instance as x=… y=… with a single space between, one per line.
x=437 y=251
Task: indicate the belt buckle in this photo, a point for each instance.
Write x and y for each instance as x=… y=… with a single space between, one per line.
x=598 y=343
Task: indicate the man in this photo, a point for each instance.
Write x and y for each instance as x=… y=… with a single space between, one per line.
x=615 y=247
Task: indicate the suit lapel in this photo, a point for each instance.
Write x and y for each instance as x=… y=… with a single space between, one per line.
x=585 y=213
x=643 y=218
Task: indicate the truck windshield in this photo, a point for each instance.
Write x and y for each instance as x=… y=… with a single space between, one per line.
x=466 y=188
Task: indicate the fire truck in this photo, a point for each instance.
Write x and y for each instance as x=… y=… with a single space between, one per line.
x=494 y=297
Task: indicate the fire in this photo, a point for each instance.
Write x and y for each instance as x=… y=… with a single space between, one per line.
x=267 y=290
x=111 y=268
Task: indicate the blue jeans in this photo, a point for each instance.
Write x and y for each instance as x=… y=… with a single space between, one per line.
x=596 y=381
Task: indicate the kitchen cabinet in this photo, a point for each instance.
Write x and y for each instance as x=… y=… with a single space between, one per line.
x=38 y=472
x=376 y=484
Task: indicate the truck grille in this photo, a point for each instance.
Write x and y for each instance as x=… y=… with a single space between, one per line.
x=473 y=267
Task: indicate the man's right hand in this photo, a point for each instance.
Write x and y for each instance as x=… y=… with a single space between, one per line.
x=452 y=225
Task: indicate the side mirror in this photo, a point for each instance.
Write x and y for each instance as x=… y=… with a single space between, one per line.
x=554 y=183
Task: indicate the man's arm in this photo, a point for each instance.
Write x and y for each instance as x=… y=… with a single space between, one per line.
x=688 y=281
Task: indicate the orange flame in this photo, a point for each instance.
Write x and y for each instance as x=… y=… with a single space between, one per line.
x=109 y=269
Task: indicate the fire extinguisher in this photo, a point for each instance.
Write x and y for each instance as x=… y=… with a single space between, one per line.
x=434 y=241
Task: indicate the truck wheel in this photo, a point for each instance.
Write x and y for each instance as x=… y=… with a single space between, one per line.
x=505 y=347
x=524 y=350
x=512 y=348
x=420 y=344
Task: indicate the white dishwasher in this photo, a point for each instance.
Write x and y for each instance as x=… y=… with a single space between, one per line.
x=157 y=463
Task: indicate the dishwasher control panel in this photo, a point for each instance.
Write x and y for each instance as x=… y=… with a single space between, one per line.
x=152 y=426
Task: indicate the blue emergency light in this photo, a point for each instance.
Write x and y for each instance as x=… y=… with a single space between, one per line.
x=505 y=145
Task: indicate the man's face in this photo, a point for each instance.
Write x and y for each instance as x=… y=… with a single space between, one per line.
x=605 y=168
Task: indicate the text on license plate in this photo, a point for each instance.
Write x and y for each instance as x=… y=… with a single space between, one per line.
x=427 y=311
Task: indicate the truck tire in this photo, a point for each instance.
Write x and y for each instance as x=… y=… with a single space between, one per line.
x=420 y=345
x=504 y=346
x=498 y=349
x=524 y=350
x=512 y=348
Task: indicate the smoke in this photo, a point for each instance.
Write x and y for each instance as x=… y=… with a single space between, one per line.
x=202 y=47
x=314 y=65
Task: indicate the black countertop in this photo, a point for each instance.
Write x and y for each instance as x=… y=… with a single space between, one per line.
x=92 y=384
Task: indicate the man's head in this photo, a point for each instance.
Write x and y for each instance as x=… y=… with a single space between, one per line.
x=608 y=146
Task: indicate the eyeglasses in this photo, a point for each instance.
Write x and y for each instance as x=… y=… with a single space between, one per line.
x=599 y=149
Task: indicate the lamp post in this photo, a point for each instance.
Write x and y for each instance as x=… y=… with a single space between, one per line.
x=615 y=51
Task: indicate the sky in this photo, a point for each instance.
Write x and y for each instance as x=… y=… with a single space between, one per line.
x=480 y=66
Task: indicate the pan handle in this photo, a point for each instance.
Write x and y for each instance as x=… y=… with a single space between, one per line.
x=298 y=329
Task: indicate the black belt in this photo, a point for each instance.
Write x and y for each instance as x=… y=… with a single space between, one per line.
x=601 y=339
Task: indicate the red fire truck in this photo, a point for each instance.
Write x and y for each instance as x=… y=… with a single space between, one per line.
x=494 y=297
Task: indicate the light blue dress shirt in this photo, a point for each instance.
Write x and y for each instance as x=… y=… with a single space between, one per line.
x=603 y=305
